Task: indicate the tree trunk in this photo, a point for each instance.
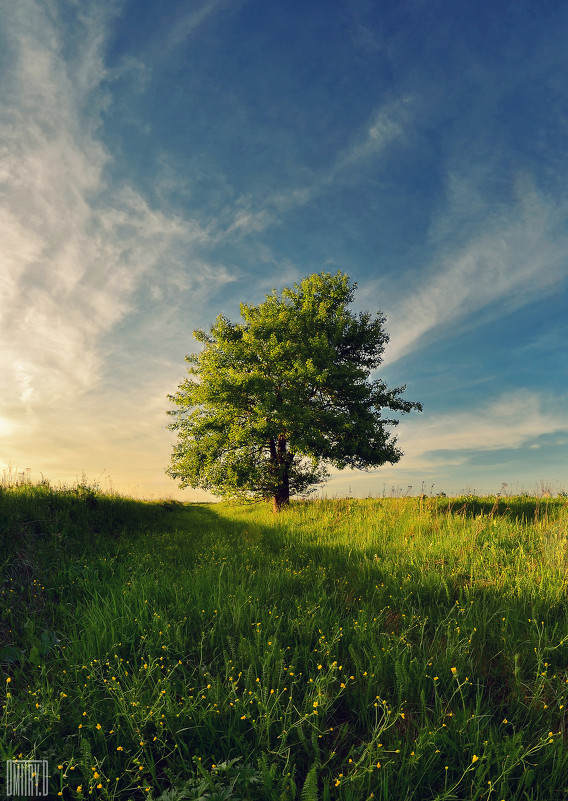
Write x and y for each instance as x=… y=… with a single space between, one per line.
x=282 y=495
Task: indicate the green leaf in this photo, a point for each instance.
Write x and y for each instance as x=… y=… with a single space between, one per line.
x=9 y=653
x=310 y=789
x=48 y=641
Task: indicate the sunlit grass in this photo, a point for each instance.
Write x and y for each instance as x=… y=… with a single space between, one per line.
x=398 y=648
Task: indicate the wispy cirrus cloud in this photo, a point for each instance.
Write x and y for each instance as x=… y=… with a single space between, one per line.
x=510 y=421
x=505 y=260
x=190 y=20
x=174 y=32
x=387 y=124
x=73 y=247
x=447 y=445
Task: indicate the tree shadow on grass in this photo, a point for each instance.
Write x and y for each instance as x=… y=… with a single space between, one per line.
x=518 y=508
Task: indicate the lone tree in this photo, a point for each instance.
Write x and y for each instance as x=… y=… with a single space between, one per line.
x=272 y=400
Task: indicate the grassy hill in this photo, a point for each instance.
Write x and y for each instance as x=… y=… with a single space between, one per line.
x=390 y=649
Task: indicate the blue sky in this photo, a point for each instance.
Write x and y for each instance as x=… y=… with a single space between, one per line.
x=160 y=163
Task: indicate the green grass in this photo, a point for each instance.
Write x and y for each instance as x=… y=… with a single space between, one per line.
x=390 y=649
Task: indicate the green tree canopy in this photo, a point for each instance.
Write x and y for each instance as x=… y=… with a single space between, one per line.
x=272 y=401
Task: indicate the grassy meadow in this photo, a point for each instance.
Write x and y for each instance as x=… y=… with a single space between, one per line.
x=399 y=648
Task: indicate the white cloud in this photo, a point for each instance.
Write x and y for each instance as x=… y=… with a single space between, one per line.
x=440 y=447
x=507 y=262
x=510 y=421
x=186 y=24
x=386 y=125
x=71 y=252
x=246 y=222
